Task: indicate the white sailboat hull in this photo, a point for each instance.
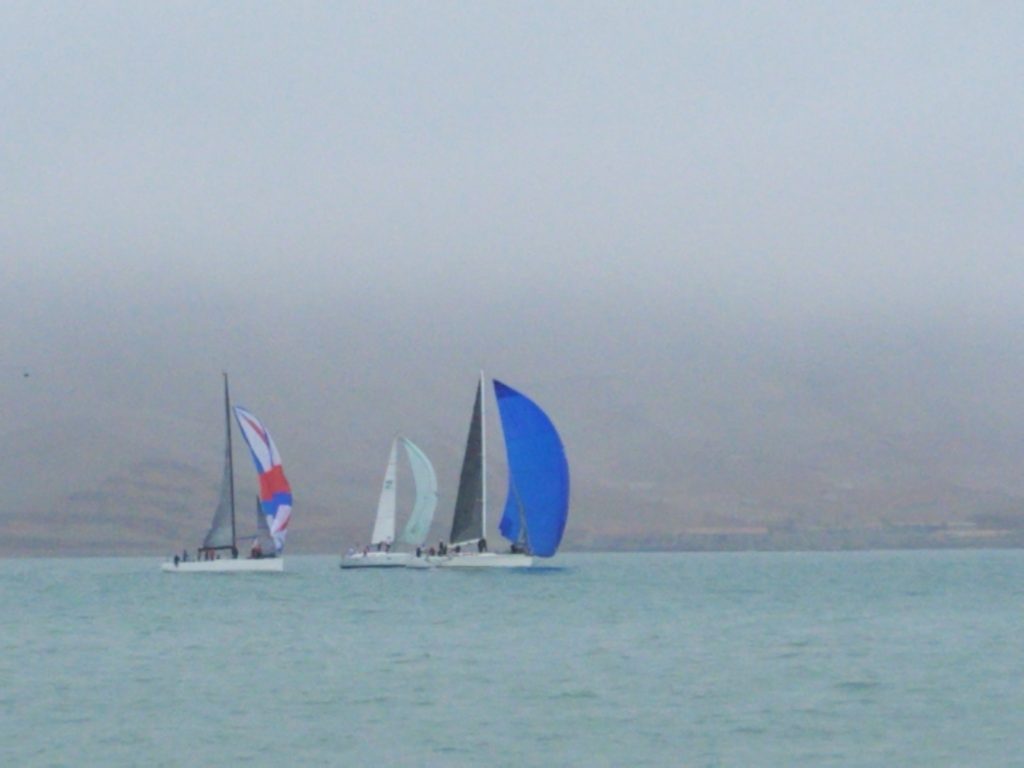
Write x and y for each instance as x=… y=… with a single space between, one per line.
x=483 y=560
x=376 y=560
x=255 y=565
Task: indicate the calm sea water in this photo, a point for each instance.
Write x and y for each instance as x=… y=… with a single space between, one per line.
x=854 y=659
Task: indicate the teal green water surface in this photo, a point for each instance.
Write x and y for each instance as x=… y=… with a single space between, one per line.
x=752 y=659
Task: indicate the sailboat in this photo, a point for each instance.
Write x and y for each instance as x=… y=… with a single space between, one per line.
x=219 y=550
x=379 y=554
x=537 y=504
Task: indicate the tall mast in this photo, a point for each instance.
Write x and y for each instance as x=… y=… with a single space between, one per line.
x=231 y=461
x=483 y=457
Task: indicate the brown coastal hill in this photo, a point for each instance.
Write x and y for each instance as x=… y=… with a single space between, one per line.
x=756 y=441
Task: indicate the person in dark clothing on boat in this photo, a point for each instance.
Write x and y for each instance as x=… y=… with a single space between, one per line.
x=176 y=560
x=481 y=545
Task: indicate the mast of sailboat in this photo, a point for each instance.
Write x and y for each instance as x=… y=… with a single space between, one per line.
x=483 y=458
x=231 y=462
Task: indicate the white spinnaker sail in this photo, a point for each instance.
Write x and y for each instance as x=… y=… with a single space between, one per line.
x=384 y=527
x=415 y=531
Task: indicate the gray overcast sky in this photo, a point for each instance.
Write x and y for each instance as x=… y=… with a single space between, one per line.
x=361 y=192
x=818 y=154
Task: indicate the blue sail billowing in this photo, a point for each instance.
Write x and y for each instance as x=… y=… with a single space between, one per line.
x=538 y=474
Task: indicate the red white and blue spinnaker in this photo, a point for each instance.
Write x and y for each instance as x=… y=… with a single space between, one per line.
x=275 y=493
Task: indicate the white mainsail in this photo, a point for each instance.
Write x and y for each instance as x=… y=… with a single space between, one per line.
x=384 y=527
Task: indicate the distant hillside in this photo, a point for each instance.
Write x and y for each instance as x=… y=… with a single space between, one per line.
x=711 y=438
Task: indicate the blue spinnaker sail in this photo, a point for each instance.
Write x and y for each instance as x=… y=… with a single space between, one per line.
x=538 y=474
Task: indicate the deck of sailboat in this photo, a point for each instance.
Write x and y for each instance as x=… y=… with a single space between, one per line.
x=247 y=565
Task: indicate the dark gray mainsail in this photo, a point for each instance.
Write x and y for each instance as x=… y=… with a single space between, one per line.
x=468 y=521
x=222 y=530
x=221 y=533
